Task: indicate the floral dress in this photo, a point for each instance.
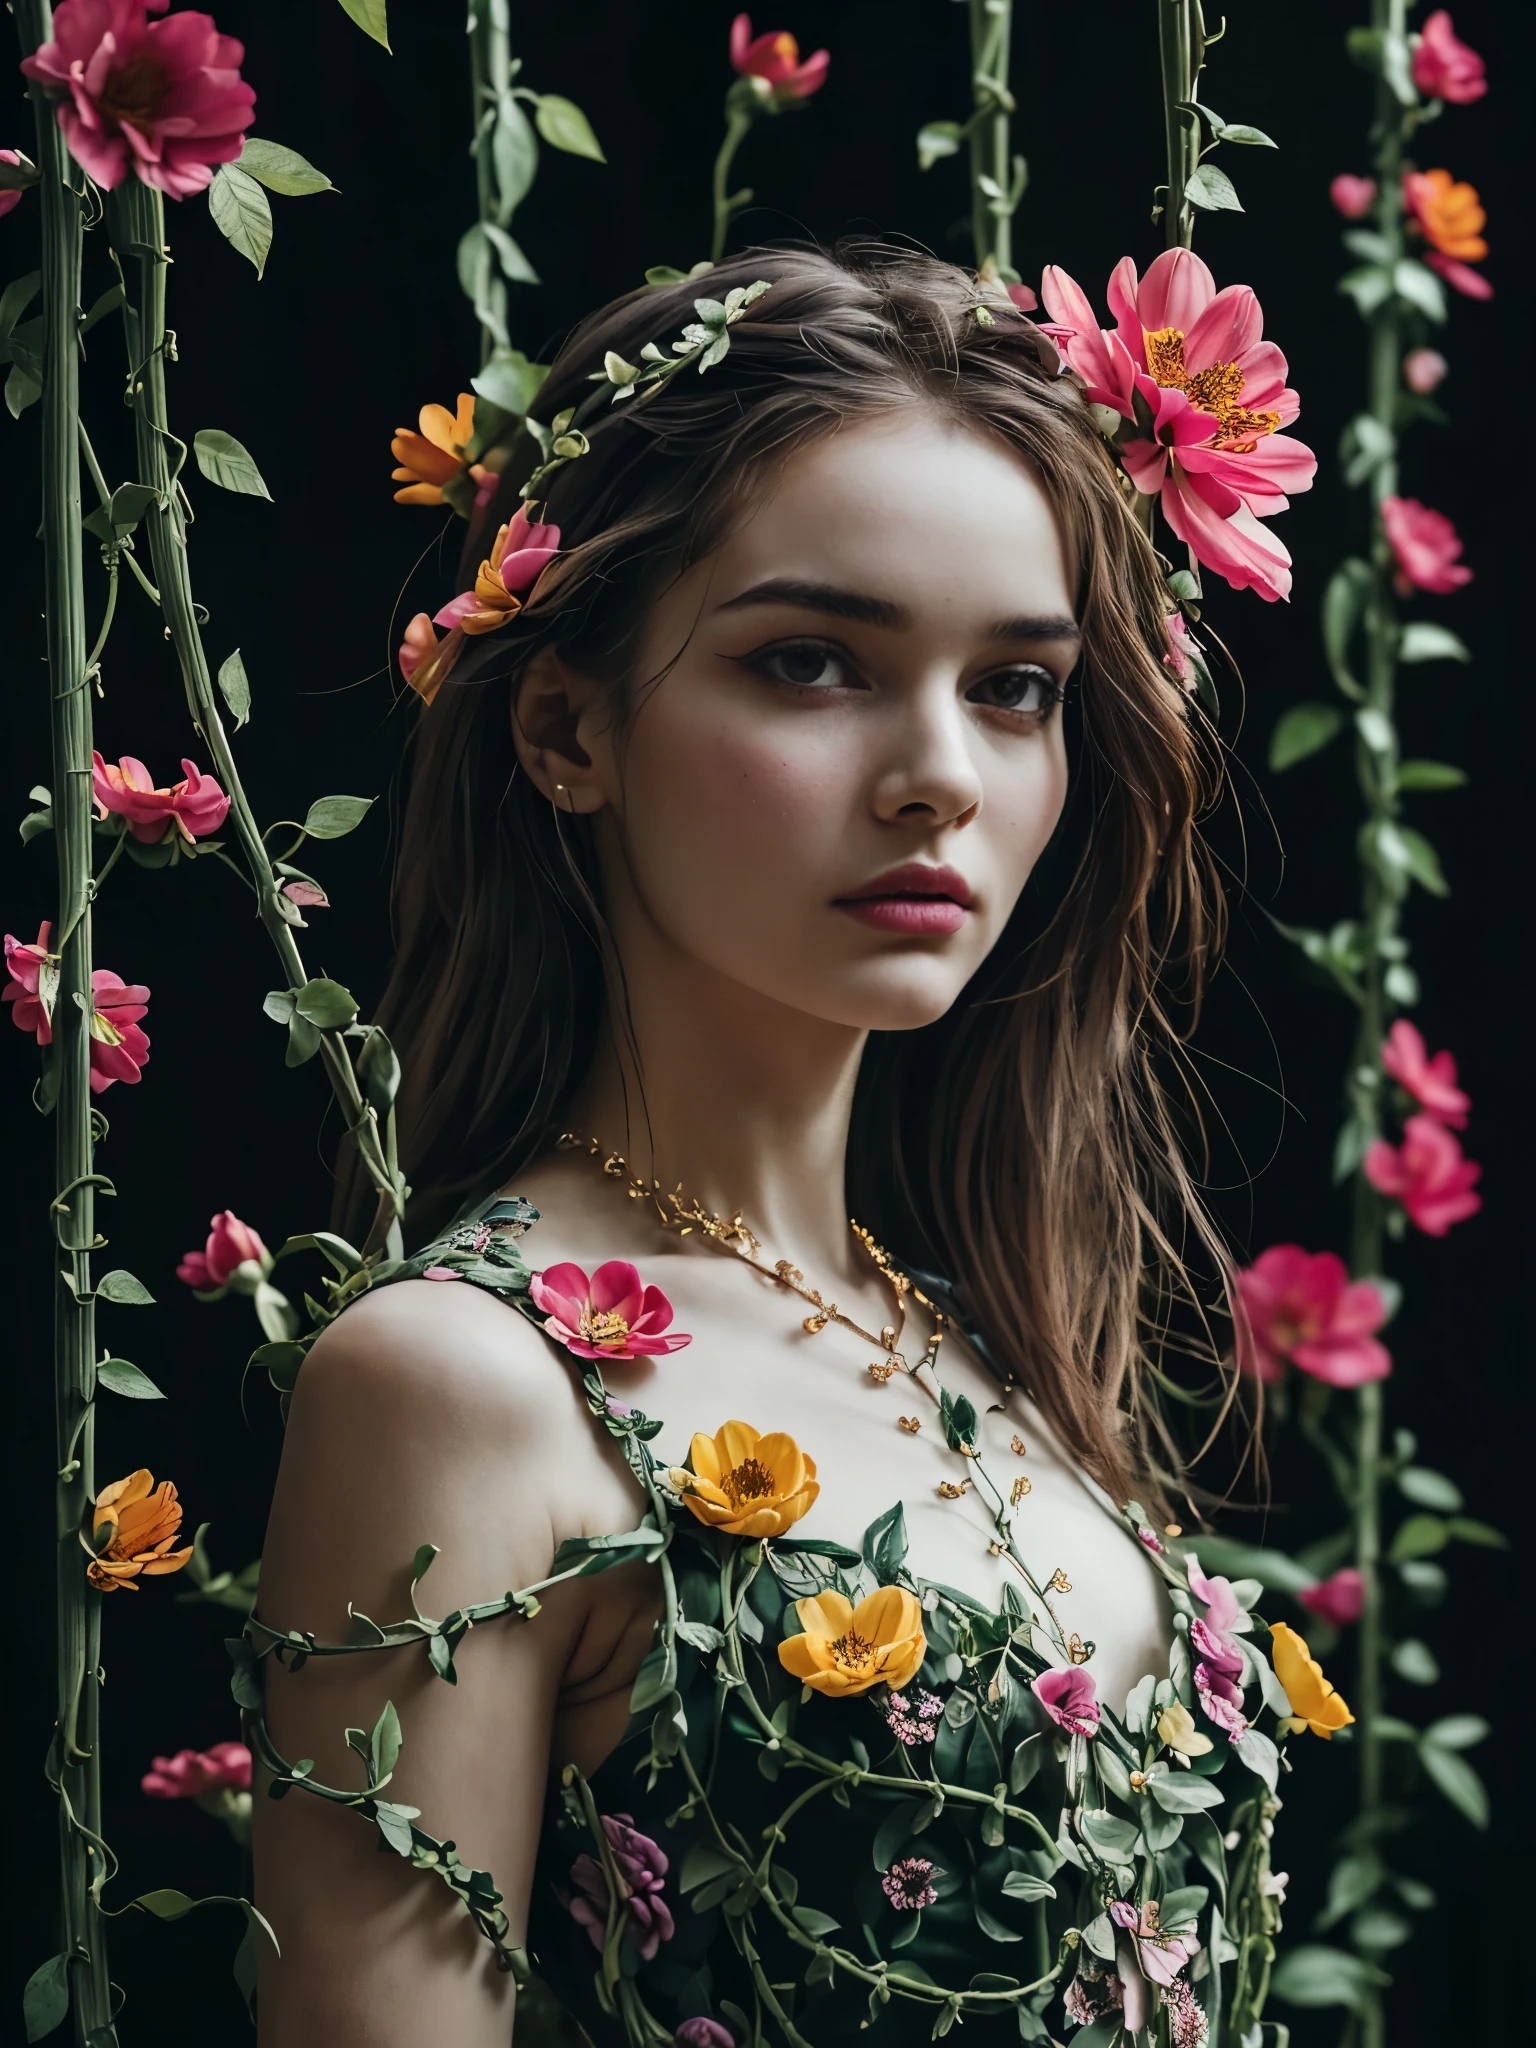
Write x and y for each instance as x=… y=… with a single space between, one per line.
x=850 y=1797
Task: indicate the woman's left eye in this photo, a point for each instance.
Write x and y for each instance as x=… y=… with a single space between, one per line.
x=802 y=665
x=1033 y=691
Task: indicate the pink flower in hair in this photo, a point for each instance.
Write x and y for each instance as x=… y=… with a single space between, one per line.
x=1071 y=1699
x=1430 y=1081
x=609 y=1316
x=1427 y=1173
x=194 y=807
x=520 y=554
x=775 y=59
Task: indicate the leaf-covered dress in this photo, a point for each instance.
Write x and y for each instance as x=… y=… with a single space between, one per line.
x=920 y=1813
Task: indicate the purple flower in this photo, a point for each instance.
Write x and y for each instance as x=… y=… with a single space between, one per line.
x=1070 y=1697
x=703 y=2033
x=911 y=1723
x=641 y=1866
x=908 y=1884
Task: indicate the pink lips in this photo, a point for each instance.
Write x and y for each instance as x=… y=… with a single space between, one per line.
x=913 y=900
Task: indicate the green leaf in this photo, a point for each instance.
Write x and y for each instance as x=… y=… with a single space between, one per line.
x=1427 y=1489
x=384 y=1743
x=666 y=273
x=165 y=1905
x=226 y=463
x=241 y=213
x=514 y=263
x=333 y=817
x=1344 y=604
x=1423 y=862
x=1316 y=1975
x=1430 y=775
x=562 y=124
x=120 y=1377
x=811 y=1922
x=1239 y=131
x=281 y=170
x=1370 y=287
x=235 y=688
x=1375 y=728
x=1352 y=1881
x=394 y=1821
x=122 y=511
x=45 y=2002
x=510 y=381
x=1419 y=1536
x=937 y=139
x=1185 y=1904
x=370 y=18
x=1422 y=640
x=1183 y=1794
x=303 y=1042
x=1018 y=1884
x=514 y=153
x=1415 y=1661
x=325 y=1004
x=378 y=1070
x=124 y=1288
x=1112 y=1839
x=1212 y=191
x=1458 y=1731
x=1481 y=1533
x=109 y=302
x=14 y=301
x=1272 y=1568
x=1418 y=285
x=281 y=1362
x=1304 y=729
x=1457 y=1780
x=1364 y=446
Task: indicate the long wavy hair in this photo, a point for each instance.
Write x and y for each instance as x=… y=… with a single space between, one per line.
x=1026 y=1145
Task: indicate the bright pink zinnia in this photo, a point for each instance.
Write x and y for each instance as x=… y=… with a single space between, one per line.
x=1070 y=1697
x=1353 y=197
x=1430 y=1081
x=775 y=58
x=1426 y=545
x=231 y=1244
x=195 y=806
x=1427 y=1173
x=1338 y=1600
x=192 y=1772
x=162 y=99
x=1303 y=1306
x=1444 y=68
x=609 y=1316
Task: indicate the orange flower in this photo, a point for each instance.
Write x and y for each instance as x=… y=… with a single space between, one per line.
x=133 y=1526
x=1449 y=215
x=1314 y=1702
x=522 y=551
x=745 y=1483
x=847 y=1649
x=438 y=454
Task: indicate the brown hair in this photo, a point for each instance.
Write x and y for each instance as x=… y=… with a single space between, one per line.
x=1024 y=1144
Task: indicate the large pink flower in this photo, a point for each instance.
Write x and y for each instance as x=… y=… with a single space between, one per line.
x=775 y=58
x=1427 y=1173
x=162 y=99
x=1426 y=545
x=1338 y=1600
x=1444 y=68
x=609 y=1316
x=1430 y=1081
x=1303 y=1306
x=118 y=1047
x=1071 y=1698
x=195 y=806
x=24 y=963
x=191 y=1772
x=231 y=1245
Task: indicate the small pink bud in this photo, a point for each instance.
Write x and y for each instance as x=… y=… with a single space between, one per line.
x=1353 y=197
x=1424 y=369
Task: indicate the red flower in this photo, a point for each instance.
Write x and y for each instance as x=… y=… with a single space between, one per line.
x=1426 y=545
x=195 y=806
x=163 y=99
x=1337 y=1600
x=1431 y=1082
x=1353 y=197
x=1302 y=1306
x=1444 y=68
x=231 y=1245
x=775 y=58
x=191 y=1772
x=1428 y=1175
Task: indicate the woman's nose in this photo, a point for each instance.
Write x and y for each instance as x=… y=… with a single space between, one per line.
x=927 y=772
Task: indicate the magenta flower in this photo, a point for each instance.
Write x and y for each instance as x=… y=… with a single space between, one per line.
x=775 y=58
x=1444 y=68
x=1426 y=545
x=608 y=1316
x=1303 y=1306
x=1424 y=370
x=1427 y=1173
x=1353 y=197
x=25 y=963
x=1338 y=1600
x=704 y=2033
x=1430 y=1081
x=1219 y=1660
x=1160 y=1956
x=192 y=1772
x=161 y=99
x=119 y=1049
x=232 y=1245
x=908 y=1884
x=1070 y=1697
x=9 y=199
x=195 y=806
x=642 y=1865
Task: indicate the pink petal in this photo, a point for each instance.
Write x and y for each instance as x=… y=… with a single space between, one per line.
x=1231 y=323
x=1175 y=291
x=615 y=1289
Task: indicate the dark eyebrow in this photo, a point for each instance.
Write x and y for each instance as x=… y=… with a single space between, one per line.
x=1055 y=628
x=880 y=611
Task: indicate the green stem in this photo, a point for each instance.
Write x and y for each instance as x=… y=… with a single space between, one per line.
x=738 y=124
x=490 y=72
x=1176 y=56
x=989 y=139
x=76 y=1766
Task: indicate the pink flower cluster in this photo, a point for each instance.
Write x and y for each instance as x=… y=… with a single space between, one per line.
x=1427 y=1172
x=194 y=807
x=118 y=1048
x=231 y=1245
x=191 y=1773
x=1219 y=1661
x=908 y=1884
x=1071 y=1698
x=914 y=1721
x=161 y=99
x=642 y=1865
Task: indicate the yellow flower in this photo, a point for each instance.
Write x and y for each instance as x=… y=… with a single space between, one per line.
x=133 y=1526
x=438 y=454
x=847 y=1649
x=746 y=1484
x=1176 y=1725
x=1314 y=1703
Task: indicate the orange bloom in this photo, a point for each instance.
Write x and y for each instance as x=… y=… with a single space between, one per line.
x=1449 y=215
x=133 y=1526
x=438 y=454
x=847 y=1649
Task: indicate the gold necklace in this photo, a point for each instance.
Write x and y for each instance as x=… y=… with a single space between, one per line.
x=684 y=1214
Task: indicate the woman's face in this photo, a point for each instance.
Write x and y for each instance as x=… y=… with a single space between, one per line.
x=838 y=789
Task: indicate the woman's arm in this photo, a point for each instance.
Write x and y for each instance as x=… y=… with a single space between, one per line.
x=428 y=1414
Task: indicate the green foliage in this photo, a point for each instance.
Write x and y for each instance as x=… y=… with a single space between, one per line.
x=242 y=214
x=564 y=126
x=370 y=18
x=281 y=170
x=1303 y=730
x=224 y=462
x=235 y=688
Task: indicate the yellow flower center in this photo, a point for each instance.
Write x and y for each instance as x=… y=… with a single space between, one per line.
x=853 y=1652
x=604 y=1327
x=747 y=1481
x=1217 y=389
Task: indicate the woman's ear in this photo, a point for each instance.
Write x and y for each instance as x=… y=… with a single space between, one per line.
x=548 y=704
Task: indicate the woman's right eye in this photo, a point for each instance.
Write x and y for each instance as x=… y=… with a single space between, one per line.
x=802 y=665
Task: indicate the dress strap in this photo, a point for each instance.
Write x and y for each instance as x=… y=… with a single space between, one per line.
x=481 y=1246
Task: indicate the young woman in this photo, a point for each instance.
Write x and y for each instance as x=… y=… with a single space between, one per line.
x=806 y=841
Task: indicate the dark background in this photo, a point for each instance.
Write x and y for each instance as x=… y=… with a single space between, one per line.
x=358 y=322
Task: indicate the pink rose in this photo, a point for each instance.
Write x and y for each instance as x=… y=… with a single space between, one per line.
x=1430 y=1081
x=163 y=100
x=231 y=1245
x=1427 y=1173
x=1426 y=545
x=609 y=1316
x=1444 y=68
x=1351 y=196
x=190 y=1772
x=195 y=806
x=1303 y=1306
x=775 y=58
x=1338 y=1600
x=1424 y=370
x=1070 y=1697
